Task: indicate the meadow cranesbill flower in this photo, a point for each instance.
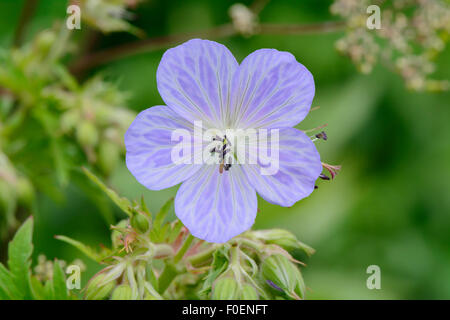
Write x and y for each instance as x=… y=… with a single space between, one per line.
x=201 y=81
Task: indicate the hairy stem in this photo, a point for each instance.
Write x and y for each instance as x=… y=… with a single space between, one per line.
x=183 y=248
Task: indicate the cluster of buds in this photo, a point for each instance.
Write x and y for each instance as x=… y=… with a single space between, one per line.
x=109 y=16
x=45 y=268
x=245 y=21
x=96 y=119
x=412 y=34
x=154 y=259
x=257 y=265
x=16 y=191
x=44 y=109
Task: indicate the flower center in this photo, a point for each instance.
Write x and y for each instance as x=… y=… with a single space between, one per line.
x=223 y=150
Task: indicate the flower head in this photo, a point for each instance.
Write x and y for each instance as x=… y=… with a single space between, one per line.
x=201 y=82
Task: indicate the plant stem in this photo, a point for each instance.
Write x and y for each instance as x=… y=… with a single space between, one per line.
x=202 y=257
x=183 y=248
x=222 y=31
x=165 y=279
x=296 y=29
x=147 y=45
x=27 y=12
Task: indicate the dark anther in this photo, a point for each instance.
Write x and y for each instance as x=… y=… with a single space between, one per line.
x=227 y=166
x=322 y=135
x=316 y=187
x=324 y=177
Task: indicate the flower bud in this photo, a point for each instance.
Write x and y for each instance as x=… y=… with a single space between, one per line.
x=25 y=191
x=45 y=40
x=108 y=156
x=249 y=292
x=139 y=222
x=87 y=134
x=284 y=239
x=225 y=289
x=69 y=120
x=122 y=292
x=284 y=275
x=96 y=290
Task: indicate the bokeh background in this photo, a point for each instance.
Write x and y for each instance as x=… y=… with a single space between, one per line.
x=389 y=205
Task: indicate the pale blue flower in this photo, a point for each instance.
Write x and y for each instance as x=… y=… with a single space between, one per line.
x=201 y=80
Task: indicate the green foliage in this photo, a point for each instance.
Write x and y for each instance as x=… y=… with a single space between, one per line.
x=19 y=282
x=154 y=259
x=47 y=112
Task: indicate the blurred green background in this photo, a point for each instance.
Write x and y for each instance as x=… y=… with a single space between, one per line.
x=390 y=204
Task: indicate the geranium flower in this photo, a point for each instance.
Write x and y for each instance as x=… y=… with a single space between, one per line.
x=200 y=80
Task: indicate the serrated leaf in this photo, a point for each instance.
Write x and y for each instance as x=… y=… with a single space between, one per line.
x=48 y=290
x=122 y=203
x=159 y=219
x=59 y=282
x=88 y=251
x=8 y=288
x=219 y=265
x=37 y=288
x=175 y=231
x=19 y=252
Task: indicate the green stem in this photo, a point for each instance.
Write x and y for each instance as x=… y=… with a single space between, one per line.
x=183 y=248
x=202 y=257
x=165 y=279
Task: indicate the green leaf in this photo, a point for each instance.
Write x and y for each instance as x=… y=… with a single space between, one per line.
x=37 y=288
x=8 y=288
x=159 y=219
x=88 y=251
x=19 y=253
x=59 y=282
x=48 y=290
x=219 y=265
x=122 y=203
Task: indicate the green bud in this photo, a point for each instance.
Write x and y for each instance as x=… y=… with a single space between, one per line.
x=282 y=274
x=139 y=222
x=95 y=290
x=108 y=156
x=87 y=134
x=225 y=289
x=249 y=292
x=25 y=191
x=69 y=120
x=44 y=41
x=122 y=292
x=282 y=238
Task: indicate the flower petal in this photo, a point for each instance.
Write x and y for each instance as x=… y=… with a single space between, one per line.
x=194 y=80
x=216 y=207
x=149 y=146
x=271 y=89
x=298 y=168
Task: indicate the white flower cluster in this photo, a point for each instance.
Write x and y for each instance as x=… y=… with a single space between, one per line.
x=413 y=33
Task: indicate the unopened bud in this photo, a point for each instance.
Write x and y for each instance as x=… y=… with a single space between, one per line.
x=96 y=290
x=108 y=156
x=225 y=289
x=139 y=222
x=282 y=238
x=25 y=191
x=249 y=292
x=122 y=292
x=284 y=275
x=87 y=134
x=69 y=120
